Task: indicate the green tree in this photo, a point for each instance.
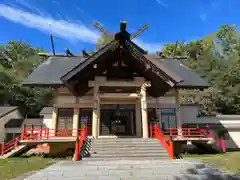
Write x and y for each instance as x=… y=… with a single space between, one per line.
x=103 y=40
x=216 y=58
x=19 y=60
x=226 y=36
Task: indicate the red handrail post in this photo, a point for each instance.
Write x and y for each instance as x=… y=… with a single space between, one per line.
x=170 y=129
x=76 y=155
x=207 y=130
x=223 y=145
x=188 y=131
x=23 y=133
x=3 y=148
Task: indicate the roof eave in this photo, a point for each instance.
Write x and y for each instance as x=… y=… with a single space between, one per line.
x=34 y=84
x=192 y=86
x=89 y=60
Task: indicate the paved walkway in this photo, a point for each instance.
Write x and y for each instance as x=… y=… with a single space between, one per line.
x=115 y=170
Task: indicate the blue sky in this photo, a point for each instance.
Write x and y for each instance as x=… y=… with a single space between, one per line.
x=70 y=21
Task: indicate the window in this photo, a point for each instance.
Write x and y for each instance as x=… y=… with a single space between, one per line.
x=168 y=117
x=65 y=121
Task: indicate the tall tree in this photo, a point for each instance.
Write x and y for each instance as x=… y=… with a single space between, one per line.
x=103 y=40
x=18 y=60
x=216 y=58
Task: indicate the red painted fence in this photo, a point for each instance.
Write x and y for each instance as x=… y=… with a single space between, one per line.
x=167 y=144
x=184 y=132
x=46 y=133
x=6 y=147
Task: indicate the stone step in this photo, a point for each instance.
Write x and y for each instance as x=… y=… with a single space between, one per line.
x=127 y=146
x=110 y=159
x=129 y=152
x=125 y=141
x=112 y=148
x=131 y=155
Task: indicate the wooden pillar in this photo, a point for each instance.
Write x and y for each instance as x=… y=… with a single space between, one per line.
x=144 y=112
x=178 y=112
x=96 y=112
x=75 y=131
x=138 y=118
x=54 y=121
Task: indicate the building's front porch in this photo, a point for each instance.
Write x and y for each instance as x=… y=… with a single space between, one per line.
x=112 y=109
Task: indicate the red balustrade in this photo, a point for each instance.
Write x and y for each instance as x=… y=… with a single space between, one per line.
x=79 y=142
x=47 y=133
x=167 y=144
x=183 y=132
x=6 y=147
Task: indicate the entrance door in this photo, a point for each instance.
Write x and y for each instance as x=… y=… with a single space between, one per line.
x=64 y=122
x=85 y=117
x=117 y=120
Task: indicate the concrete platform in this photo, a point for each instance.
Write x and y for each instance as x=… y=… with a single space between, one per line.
x=114 y=170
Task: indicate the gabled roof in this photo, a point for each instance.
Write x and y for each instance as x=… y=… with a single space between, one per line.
x=14 y=123
x=135 y=52
x=46 y=110
x=190 y=77
x=111 y=46
x=50 y=72
x=4 y=110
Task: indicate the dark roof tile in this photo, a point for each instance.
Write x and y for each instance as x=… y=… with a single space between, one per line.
x=14 y=123
x=50 y=72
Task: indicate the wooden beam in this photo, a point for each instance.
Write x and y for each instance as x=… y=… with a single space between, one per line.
x=120 y=95
x=102 y=81
x=70 y=105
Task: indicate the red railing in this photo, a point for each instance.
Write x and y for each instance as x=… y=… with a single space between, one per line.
x=167 y=144
x=183 y=132
x=79 y=142
x=6 y=147
x=47 y=133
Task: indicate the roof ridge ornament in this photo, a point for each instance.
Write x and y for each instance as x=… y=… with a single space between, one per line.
x=123 y=34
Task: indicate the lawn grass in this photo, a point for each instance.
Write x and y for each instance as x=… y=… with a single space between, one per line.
x=14 y=167
x=228 y=161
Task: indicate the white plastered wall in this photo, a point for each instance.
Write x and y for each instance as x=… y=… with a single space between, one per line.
x=231 y=123
x=12 y=115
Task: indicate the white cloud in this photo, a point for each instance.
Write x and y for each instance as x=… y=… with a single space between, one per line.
x=203 y=17
x=161 y=3
x=24 y=4
x=61 y=28
x=151 y=47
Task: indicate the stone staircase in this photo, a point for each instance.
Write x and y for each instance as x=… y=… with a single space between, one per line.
x=126 y=148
